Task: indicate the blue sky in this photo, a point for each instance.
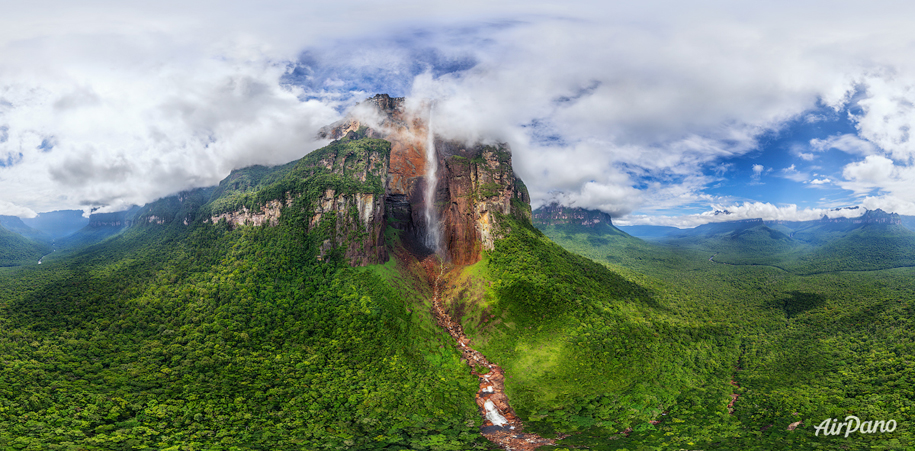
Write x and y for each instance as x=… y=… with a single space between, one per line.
x=786 y=168
x=656 y=112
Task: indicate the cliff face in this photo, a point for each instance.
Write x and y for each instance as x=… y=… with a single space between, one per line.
x=267 y=214
x=555 y=214
x=385 y=117
x=351 y=218
x=180 y=208
x=474 y=182
x=372 y=176
x=877 y=216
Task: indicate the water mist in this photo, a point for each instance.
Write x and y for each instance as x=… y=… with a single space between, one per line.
x=433 y=236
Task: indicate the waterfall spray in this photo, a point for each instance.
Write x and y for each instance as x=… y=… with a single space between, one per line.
x=433 y=237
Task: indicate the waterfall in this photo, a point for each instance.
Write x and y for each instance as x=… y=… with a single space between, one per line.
x=433 y=237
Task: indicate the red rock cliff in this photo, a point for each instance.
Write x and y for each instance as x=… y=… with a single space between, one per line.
x=475 y=181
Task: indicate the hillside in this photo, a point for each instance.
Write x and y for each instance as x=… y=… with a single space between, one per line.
x=14 y=224
x=16 y=249
x=222 y=334
x=100 y=227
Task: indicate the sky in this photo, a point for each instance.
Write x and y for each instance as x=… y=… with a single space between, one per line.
x=657 y=113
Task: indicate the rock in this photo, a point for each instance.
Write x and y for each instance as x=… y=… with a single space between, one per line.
x=266 y=214
x=477 y=184
x=556 y=214
x=475 y=181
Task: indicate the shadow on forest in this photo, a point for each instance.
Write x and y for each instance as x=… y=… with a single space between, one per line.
x=797 y=302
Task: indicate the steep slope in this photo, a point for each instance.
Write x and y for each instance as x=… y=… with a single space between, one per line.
x=812 y=345
x=15 y=224
x=16 y=250
x=239 y=316
x=829 y=229
x=591 y=233
x=870 y=246
x=474 y=184
x=300 y=307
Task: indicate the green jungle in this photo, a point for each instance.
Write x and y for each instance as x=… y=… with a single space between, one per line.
x=200 y=336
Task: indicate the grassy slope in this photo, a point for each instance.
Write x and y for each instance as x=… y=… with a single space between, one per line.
x=587 y=349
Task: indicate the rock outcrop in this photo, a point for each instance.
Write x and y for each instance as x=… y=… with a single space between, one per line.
x=266 y=214
x=556 y=214
x=350 y=216
x=476 y=184
x=877 y=216
x=475 y=181
x=356 y=187
x=181 y=207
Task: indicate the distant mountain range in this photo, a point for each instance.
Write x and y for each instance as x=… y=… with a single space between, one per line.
x=806 y=228
x=57 y=224
x=874 y=240
x=574 y=218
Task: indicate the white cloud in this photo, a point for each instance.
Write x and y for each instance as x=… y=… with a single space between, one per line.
x=746 y=210
x=757 y=172
x=820 y=181
x=882 y=181
x=143 y=99
x=172 y=130
x=889 y=203
x=10 y=209
x=889 y=115
x=792 y=173
x=873 y=171
x=847 y=143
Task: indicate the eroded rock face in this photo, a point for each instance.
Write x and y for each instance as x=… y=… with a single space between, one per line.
x=556 y=214
x=353 y=219
x=267 y=214
x=475 y=182
x=347 y=212
x=358 y=225
x=385 y=117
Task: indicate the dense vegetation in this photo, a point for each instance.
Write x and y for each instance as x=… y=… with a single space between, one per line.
x=812 y=347
x=586 y=348
x=16 y=250
x=198 y=337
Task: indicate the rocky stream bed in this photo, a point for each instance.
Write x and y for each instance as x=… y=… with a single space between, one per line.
x=500 y=423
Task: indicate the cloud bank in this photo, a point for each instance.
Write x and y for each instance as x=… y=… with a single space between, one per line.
x=631 y=109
